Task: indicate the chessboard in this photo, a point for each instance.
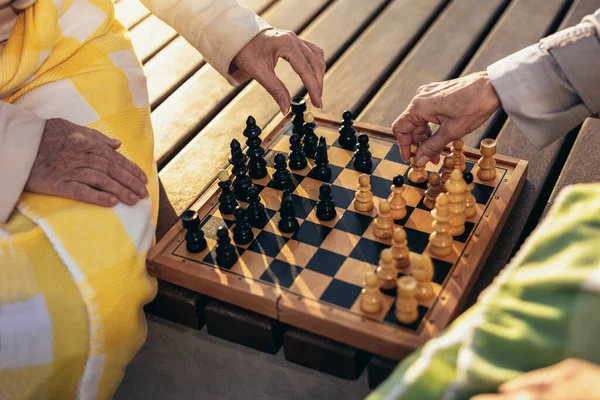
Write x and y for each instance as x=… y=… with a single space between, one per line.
x=312 y=278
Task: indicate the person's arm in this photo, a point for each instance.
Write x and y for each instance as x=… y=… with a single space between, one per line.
x=549 y=88
x=20 y=135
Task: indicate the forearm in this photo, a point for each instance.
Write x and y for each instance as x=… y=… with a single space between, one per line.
x=218 y=29
x=20 y=135
x=551 y=87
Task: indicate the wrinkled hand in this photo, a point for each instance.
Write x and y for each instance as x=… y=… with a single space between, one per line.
x=459 y=106
x=568 y=380
x=259 y=57
x=83 y=164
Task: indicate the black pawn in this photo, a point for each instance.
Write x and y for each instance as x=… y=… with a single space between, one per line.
x=282 y=178
x=310 y=139
x=297 y=156
x=362 y=156
x=194 y=237
x=242 y=231
x=398 y=181
x=227 y=201
x=256 y=211
x=226 y=252
x=347 y=137
x=242 y=180
x=468 y=177
x=321 y=170
x=257 y=164
x=298 y=108
x=326 y=205
x=287 y=215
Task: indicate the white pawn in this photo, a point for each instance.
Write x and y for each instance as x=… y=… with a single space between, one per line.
x=386 y=271
x=422 y=270
x=400 y=250
x=363 y=199
x=407 y=308
x=396 y=199
x=383 y=227
x=371 y=297
x=457 y=188
x=459 y=155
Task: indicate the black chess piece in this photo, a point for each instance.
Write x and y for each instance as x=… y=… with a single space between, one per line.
x=321 y=170
x=287 y=214
x=310 y=138
x=297 y=156
x=257 y=164
x=398 y=181
x=282 y=178
x=468 y=177
x=347 y=137
x=194 y=237
x=242 y=180
x=227 y=201
x=226 y=252
x=326 y=205
x=298 y=108
x=242 y=231
x=257 y=215
x=362 y=156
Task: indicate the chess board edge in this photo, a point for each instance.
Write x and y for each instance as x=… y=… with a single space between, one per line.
x=349 y=328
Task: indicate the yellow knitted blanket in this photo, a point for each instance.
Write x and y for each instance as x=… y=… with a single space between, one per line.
x=73 y=278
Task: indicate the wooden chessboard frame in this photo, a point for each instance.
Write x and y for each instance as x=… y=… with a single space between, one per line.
x=334 y=323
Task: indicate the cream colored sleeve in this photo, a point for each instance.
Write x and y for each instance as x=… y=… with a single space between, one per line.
x=218 y=29
x=20 y=135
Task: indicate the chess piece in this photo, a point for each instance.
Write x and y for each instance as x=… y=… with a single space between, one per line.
x=416 y=174
x=242 y=231
x=347 y=138
x=386 y=271
x=287 y=214
x=227 y=201
x=326 y=205
x=257 y=164
x=310 y=138
x=242 y=180
x=226 y=252
x=458 y=154
x=282 y=178
x=487 y=164
x=321 y=171
x=297 y=156
x=371 y=297
x=257 y=215
x=447 y=168
x=422 y=270
x=383 y=227
x=407 y=308
x=440 y=240
x=363 y=199
x=456 y=188
x=470 y=200
x=362 y=156
x=434 y=187
x=298 y=108
x=194 y=237
x=400 y=250
x=396 y=199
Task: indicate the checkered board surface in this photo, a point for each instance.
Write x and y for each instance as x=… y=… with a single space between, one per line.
x=325 y=262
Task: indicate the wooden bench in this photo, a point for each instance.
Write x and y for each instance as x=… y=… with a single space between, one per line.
x=378 y=53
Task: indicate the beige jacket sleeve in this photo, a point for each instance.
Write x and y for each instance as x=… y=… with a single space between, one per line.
x=218 y=29
x=20 y=135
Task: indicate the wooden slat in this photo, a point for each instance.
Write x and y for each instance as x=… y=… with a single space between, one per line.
x=376 y=51
x=512 y=143
x=436 y=57
x=149 y=36
x=130 y=12
x=179 y=59
x=189 y=173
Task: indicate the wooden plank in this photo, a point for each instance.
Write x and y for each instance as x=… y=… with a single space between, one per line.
x=523 y=23
x=149 y=36
x=512 y=142
x=130 y=12
x=191 y=105
x=437 y=56
x=401 y=23
x=179 y=59
x=190 y=172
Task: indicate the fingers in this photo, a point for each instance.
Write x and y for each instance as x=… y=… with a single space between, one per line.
x=124 y=162
x=276 y=89
x=301 y=66
x=535 y=378
x=115 y=171
x=521 y=395
x=431 y=148
x=78 y=191
x=114 y=143
x=105 y=183
x=316 y=58
x=403 y=129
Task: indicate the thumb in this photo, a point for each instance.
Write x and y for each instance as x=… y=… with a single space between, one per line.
x=276 y=89
x=434 y=145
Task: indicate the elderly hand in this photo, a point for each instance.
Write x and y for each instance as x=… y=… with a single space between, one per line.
x=83 y=164
x=568 y=380
x=459 y=106
x=259 y=57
